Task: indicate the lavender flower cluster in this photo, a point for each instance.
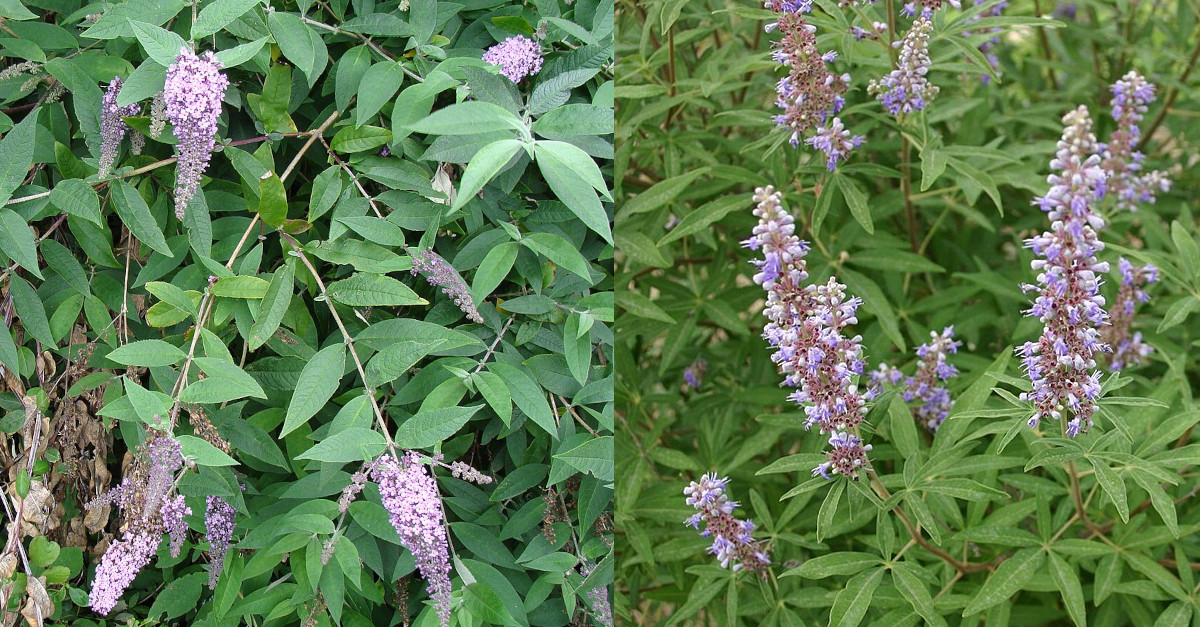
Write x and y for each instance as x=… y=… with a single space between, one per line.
x=113 y=126
x=926 y=386
x=932 y=371
x=218 y=527
x=810 y=95
x=410 y=495
x=192 y=94
x=439 y=273
x=143 y=498
x=517 y=57
x=906 y=89
x=732 y=540
x=806 y=326
x=1062 y=363
x=1120 y=158
x=1127 y=349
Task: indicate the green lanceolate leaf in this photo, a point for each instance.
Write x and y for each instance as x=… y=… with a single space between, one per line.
x=315 y=386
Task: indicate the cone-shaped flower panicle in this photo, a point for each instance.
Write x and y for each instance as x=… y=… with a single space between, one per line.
x=807 y=323
x=906 y=88
x=410 y=495
x=439 y=273
x=118 y=567
x=732 y=540
x=173 y=512
x=810 y=95
x=926 y=385
x=1062 y=363
x=218 y=527
x=1128 y=348
x=112 y=126
x=193 y=92
x=1120 y=158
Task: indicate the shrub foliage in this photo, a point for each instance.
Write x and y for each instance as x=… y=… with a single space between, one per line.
x=393 y=248
x=932 y=221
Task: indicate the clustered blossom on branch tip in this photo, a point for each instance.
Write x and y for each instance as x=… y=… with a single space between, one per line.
x=439 y=273
x=733 y=541
x=1128 y=348
x=806 y=324
x=143 y=498
x=410 y=495
x=810 y=94
x=113 y=126
x=118 y=567
x=906 y=89
x=218 y=525
x=926 y=385
x=517 y=56
x=1120 y=158
x=192 y=94
x=1061 y=365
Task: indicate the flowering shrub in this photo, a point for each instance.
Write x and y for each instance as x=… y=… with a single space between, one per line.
x=940 y=346
x=307 y=312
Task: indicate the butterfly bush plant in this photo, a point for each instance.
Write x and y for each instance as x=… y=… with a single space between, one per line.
x=907 y=313
x=306 y=312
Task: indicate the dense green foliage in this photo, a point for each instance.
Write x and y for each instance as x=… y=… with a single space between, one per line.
x=276 y=331
x=989 y=520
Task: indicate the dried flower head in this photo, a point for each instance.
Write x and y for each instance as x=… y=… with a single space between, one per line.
x=1061 y=364
x=192 y=94
x=410 y=495
x=517 y=57
x=733 y=539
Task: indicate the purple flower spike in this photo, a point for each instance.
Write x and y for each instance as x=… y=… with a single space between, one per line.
x=173 y=512
x=410 y=495
x=926 y=386
x=906 y=89
x=439 y=273
x=806 y=324
x=118 y=568
x=1120 y=158
x=517 y=57
x=192 y=94
x=1128 y=350
x=1062 y=363
x=810 y=94
x=112 y=126
x=733 y=539
x=218 y=524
